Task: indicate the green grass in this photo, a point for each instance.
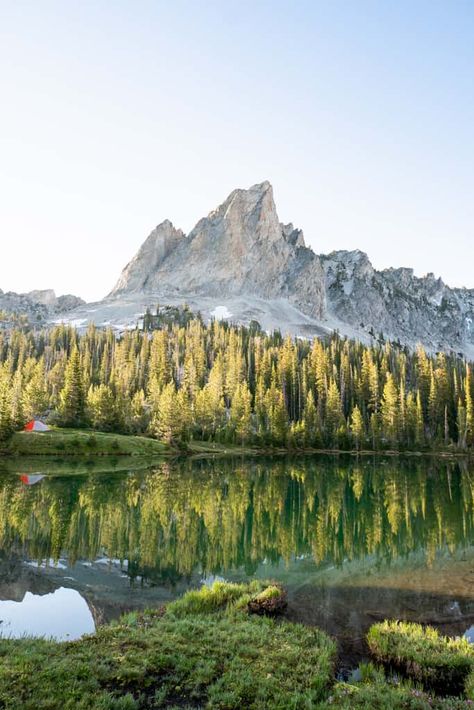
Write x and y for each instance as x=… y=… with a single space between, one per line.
x=270 y=592
x=469 y=686
x=78 y=442
x=205 y=651
x=437 y=662
x=221 y=596
x=212 y=447
x=375 y=692
x=152 y=660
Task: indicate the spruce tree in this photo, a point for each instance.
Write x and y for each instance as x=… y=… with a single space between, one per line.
x=35 y=396
x=241 y=413
x=357 y=427
x=101 y=408
x=72 y=399
x=390 y=410
x=6 y=423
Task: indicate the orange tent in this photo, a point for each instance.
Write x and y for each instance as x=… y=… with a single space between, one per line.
x=36 y=425
x=29 y=479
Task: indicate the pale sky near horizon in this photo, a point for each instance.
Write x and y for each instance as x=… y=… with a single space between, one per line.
x=117 y=115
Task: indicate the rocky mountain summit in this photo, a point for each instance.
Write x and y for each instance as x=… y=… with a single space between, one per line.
x=238 y=249
x=241 y=251
x=37 y=306
x=399 y=304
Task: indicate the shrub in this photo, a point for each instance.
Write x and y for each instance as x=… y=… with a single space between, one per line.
x=91 y=441
x=74 y=443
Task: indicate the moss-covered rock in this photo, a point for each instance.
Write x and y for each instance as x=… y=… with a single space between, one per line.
x=270 y=602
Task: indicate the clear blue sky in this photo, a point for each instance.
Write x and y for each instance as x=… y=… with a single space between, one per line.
x=117 y=115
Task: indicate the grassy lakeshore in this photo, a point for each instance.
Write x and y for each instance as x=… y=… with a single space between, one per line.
x=79 y=442
x=60 y=442
x=210 y=447
x=204 y=650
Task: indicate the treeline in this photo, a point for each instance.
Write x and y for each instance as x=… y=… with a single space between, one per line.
x=230 y=384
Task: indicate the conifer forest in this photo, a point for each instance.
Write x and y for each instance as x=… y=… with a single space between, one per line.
x=190 y=381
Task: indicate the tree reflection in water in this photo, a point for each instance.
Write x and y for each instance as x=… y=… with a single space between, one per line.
x=216 y=516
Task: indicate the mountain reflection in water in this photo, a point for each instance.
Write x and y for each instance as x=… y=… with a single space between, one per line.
x=354 y=540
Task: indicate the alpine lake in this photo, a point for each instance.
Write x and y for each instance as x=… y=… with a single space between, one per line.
x=353 y=540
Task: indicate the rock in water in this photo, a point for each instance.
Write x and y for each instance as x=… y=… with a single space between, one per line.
x=271 y=602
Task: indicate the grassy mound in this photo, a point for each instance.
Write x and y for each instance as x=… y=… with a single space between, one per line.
x=179 y=658
x=78 y=442
x=437 y=662
x=205 y=651
x=375 y=692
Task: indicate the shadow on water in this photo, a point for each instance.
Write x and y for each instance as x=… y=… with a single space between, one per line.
x=354 y=541
x=348 y=612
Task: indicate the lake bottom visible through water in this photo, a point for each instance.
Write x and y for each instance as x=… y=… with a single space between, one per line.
x=353 y=541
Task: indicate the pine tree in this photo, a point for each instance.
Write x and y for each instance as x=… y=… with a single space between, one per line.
x=420 y=424
x=6 y=423
x=140 y=418
x=168 y=423
x=390 y=410
x=101 y=408
x=357 y=426
x=334 y=414
x=469 y=436
x=333 y=392
x=310 y=421
x=461 y=425
x=241 y=413
x=72 y=399
x=19 y=413
x=35 y=397
x=276 y=414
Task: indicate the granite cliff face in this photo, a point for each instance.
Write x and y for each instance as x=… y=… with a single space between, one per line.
x=238 y=249
x=241 y=250
x=398 y=304
x=140 y=273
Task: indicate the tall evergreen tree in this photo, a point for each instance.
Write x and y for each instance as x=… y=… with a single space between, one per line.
x=72 y=398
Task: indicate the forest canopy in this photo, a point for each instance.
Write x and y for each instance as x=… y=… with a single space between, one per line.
x=232 y=384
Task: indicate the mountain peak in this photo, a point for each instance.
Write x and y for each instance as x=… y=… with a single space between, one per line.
x=241 y=252
x=240 y=248
x=156 y=247
x=247 y=199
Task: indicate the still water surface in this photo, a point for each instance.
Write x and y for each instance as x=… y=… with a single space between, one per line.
x=353 y=541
